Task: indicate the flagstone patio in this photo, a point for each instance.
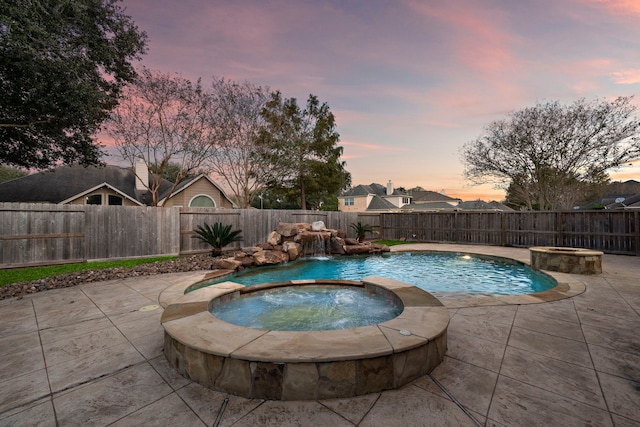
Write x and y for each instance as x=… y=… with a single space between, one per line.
x=89 y=355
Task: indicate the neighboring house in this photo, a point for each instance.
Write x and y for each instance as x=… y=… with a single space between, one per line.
x=372 y=197
x=614 y=201
x=109 y=185
x=377 y=198
x=480 y=205
x=428 y=207
x=420 y=197
x=430 y=201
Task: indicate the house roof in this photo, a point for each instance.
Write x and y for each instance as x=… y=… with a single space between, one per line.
x=481 y=205
x=373 y=188
x=609 y=200
x=378 y=203
x=69 y=182
x=430 y=196
x=632 y=202
x=428 y=206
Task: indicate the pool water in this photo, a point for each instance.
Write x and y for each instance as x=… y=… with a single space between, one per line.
x=431 y=271
x=308 y=308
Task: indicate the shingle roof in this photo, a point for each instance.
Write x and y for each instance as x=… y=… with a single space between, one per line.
x=378 y=203
x=628 y=202
x=428 y=206
x=609 y=199
x=481 y=205
x=373 y=188
x=64 y=182
x=430 y=196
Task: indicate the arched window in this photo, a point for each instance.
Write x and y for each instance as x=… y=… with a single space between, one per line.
x=202 y=201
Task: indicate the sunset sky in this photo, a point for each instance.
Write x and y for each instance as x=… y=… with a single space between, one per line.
x=409 y=81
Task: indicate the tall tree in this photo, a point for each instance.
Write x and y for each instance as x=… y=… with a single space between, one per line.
x=235 y=114
x=7 y=173
x=162 y=120
x=548 y=154
x=300 y=147
x=63 y=64
x=171 y=171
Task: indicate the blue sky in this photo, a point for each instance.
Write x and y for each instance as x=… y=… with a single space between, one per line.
x=409 y=81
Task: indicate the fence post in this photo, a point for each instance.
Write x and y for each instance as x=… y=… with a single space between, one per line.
x=559 y=239
x=637 y=230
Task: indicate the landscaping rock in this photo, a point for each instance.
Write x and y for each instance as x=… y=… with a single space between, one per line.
x=355 y=250
x=292 y=249
x=287 y=229
x=227 y=264
x=270 y=257
x=313 y=236
x=274 y=238
x=337 y=246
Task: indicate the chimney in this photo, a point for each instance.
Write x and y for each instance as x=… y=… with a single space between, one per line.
x=142 y=175
x=389 y=188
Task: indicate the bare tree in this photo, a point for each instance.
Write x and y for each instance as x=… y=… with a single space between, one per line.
x=235 y=114
x=546 y=154
x=162 y=120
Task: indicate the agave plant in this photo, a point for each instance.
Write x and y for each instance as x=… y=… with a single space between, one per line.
x=361 y=229
x=217 y=235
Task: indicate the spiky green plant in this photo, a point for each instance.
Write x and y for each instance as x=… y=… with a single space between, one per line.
x=217 y=235
x=361 y=229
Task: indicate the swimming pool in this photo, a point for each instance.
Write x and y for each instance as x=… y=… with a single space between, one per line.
x=431 y=271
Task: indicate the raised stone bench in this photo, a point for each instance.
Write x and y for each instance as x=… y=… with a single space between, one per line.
x=566 y=260
x=292 y=365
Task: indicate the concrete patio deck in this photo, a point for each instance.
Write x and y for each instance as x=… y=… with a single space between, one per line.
x=88 y=355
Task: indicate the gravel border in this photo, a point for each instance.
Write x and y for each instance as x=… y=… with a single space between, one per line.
x=178 y=265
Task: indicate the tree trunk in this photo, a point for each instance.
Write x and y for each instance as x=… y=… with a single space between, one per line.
x=303 y=199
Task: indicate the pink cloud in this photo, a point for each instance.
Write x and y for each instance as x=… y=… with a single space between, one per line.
x=372 y=147
x=618 y=7
x=477 y=34
x=626 y=77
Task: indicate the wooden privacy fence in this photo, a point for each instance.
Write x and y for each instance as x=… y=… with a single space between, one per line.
x=33 y=234
x=615 y=232
x=42 y=234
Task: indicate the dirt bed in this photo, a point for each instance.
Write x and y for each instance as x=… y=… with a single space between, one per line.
x=181 y=264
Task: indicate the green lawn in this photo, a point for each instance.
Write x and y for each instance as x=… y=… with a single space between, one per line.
x=28 y=274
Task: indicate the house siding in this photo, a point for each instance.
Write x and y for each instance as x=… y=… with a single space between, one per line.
x=104 y=192
x=359 y=204
x=201 y=187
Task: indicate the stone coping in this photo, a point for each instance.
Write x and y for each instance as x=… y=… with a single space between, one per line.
x=189 y=321
x=567 y=251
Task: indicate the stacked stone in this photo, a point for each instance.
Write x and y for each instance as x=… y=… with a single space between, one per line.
x=286 y=242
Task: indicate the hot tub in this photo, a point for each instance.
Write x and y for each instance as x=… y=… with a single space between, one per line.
x=295 y=365
x=566 y=260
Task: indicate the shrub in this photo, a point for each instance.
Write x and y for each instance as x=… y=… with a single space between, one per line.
x=361 y=229
x=217 y=235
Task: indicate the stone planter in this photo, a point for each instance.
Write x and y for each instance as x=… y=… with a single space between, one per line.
x=566 y=260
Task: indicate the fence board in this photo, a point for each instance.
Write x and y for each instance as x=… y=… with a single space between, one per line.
x=33 y=233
